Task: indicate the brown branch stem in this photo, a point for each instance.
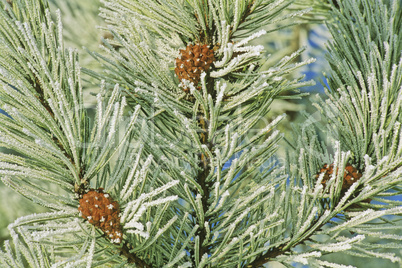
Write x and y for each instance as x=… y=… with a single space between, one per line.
x=205 y=170
x=42 y=100
x=132 y=258
x=277 y=251
x=201 y=179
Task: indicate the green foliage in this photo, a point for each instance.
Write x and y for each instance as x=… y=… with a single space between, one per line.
x=198 y=184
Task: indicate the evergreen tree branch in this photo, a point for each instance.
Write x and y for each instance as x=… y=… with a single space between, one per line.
x=56 y=140
x=205 y=170
x=201 y=180
x=49 y=127
x=282 y=249
x=247 y=92
x=133 y=258
x=196 y=183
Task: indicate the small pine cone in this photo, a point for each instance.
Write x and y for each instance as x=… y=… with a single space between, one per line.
x=350 y=176
x=102 y=211
x=193 y=60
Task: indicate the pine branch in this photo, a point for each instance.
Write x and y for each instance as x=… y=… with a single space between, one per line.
x=186 y=178
x=133 y=258
x=41 y=97
x=184 y=117
x=269 y=256
x=203 y=174
x=281 y=250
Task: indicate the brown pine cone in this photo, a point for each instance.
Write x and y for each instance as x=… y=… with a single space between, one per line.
x=102 y=211
x=193 y=60
x=350 y=176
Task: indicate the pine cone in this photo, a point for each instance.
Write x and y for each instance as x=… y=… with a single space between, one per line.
x=350 y=176
x=193 y=60
x=102 y=211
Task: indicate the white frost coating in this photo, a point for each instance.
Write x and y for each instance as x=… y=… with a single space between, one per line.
x=185 y=265
x=149 y=225
x=91 y=250
x=204 y=259
x=340 y=246
x=221 y=93
x=308 y=220
x=369 y=170
x=216 y=235
x=378 y=234
x=132 y=206
x=332 y=265
x=234 y=240
x=250 y=52
x=364 y=217
x=273 y=123
x=251 y=37
x=140 y=233
x=187 y=84
x=27 y=132
x=113 y=121
x=3 y=72
x=139 y=177
x=203 y=74
x=347 y=195
x=161 y=201
x=303 y=258
x=222 y=200
x=162 y=230
x=130 y=176
x=232 y=146
x=384 y=255
x=35 y=217
x=133 y=212
x=225 y=194
x=176 y=259
x=231 y=174
x=367 y=160
x=227 y=55
x=138 y=225
x=186 y=123
x=240 y=217
x=301 y=207
x=60 y=231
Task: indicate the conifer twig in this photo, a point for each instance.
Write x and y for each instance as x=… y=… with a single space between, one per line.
x=277 y=251
x=133 y=258
x=202 y=176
